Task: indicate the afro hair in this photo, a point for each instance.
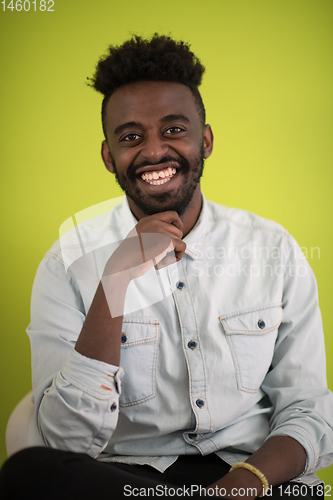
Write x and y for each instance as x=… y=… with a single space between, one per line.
x=157 y=59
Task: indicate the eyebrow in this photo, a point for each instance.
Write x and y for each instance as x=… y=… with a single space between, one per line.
x=170 y=118
x=124 y=126
x=165 y=119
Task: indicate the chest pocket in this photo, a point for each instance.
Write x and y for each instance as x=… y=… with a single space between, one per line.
x=251 y=338
x=139 y=345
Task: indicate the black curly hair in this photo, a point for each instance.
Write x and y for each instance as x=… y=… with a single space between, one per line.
x=157 y=59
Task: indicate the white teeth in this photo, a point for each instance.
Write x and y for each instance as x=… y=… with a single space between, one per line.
x=158 y=183
x=159 y=177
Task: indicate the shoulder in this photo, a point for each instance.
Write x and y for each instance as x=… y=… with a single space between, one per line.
x=242 y=219
x=80 y=235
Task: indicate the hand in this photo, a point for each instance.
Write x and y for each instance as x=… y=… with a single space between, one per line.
x=155 y=241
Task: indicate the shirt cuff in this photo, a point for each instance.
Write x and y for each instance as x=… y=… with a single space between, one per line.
x=94 y=377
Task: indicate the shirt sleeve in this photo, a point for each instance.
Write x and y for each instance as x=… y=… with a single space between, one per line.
x=76 y=398
x=296 y=383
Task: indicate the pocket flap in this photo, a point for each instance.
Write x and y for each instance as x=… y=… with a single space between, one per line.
x=139 y=331
x=254 y=322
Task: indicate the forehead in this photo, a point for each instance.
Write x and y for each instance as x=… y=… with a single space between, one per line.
x=145 y=102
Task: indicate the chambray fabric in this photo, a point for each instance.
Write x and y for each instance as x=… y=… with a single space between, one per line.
x=219 y=351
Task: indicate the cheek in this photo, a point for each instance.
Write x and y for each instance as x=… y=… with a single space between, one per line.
x=193 y=146
x=123 y=163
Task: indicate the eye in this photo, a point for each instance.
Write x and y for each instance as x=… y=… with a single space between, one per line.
x=174 y=130
x=130 y=137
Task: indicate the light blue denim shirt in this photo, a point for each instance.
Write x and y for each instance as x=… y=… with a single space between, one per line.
x=219 y=351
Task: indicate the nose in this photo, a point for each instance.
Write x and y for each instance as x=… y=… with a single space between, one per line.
x=154 y=148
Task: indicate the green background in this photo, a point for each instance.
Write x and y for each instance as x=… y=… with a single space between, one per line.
x=268 y=94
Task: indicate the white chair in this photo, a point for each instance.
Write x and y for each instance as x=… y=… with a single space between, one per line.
x=21 y=431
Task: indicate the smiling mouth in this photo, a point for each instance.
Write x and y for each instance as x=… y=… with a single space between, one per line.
x=158 y=177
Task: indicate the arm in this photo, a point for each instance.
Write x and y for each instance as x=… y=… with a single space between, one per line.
x=146 y=246
x=301 y=437
x=280 y=459
x=76 y=391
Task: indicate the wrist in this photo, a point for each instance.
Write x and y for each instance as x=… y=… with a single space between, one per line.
x=239 y=484
x=246 y=480
x=256 y=472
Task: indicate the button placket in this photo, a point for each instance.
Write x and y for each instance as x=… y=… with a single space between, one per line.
x=192 y=352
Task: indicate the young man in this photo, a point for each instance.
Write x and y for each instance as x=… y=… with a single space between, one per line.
x=197 y=344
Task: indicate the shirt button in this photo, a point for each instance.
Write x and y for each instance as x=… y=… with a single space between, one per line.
x=261 y=324
x=192 y=436
x=180 y=285
x=192 y=344
x=123 y=338
x=113 y=407
x=200 y=403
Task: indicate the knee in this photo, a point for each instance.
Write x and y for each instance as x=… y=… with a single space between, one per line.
x=32 y=472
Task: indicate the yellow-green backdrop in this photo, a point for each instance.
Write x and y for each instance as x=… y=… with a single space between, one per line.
x=268 y=94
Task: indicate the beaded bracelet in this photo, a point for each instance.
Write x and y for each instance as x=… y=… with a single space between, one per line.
x=255 y=471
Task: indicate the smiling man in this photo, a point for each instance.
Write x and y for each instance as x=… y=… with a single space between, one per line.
x=156 y=152
x=214 y=388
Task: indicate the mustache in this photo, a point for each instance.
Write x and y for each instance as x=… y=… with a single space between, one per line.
x=184 y=165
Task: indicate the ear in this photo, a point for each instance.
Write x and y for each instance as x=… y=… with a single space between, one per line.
x=208 y=139
x=106 y=156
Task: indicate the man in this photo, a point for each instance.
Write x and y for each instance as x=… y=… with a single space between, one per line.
x=197 y=343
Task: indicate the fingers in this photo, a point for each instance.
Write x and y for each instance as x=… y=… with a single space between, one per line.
x=169 y=224
x=180 y=250
x=165 y=222
x=157 y=245
x=169 y=229
x=170 y=217
x=179 y=247
x=155 y=238
x=171 y=255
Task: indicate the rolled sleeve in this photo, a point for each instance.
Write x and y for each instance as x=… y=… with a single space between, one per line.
x=76 y=398
x=96 y=378
x=296 y=383
x=79 y=412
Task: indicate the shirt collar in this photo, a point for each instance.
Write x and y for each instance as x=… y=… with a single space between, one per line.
x=194 y=239
x=127 y=218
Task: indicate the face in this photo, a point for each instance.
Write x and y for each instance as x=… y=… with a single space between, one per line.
x=156 y=146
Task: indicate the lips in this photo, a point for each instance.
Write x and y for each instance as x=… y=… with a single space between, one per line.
x=158 y=177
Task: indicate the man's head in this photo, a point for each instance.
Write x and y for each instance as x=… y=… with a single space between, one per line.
x=138 y=60
x=154 y=123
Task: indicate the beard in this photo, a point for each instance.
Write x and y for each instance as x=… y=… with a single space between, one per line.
x=177 y=200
